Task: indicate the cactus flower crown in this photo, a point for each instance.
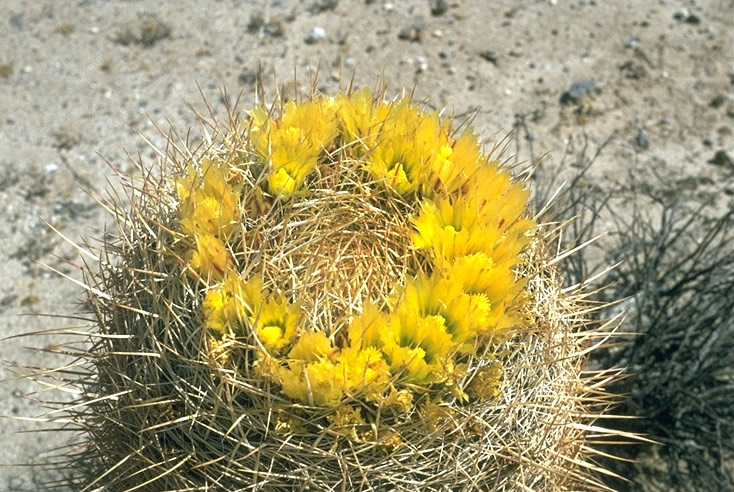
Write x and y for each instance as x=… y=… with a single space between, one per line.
x=398 y=278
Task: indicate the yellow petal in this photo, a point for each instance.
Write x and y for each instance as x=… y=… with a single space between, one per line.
x=311 y=347
x=211 y=258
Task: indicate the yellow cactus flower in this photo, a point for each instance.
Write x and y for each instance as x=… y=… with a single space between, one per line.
x=454 y=165
x=313 y=121
x=451 y=228
x=316 y=118
x=479 y=274
x=208 y=204
x=235 y=304
x=429 y=332
x=408 y=142
x=435 y=313
x=211 y=258
x=409 y=363
x=216 y=310
x=311 y=347
x=276 y=321
x=359 y=118
x=281 y=182
x=364 y=371
x=315 y=383
x=272 y=318
x=366 y=329
x=292 y=144
x=396 y=167
x=230 y=304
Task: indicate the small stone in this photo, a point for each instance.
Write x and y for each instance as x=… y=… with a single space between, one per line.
x=689 y=183
x=17 y=483
x=8 y=300
x=717 y=101
x=721 y=158
x=642 y=140
x=412 y=33
x=275 y=28
x=257 y=20
x=247 y=77
x=684 y=15
x=577 y=91
x=317 y=34
x=680 y=14
x=489 y=55
x=632 y=43
x=324 y=5
x=439 y=7
x=66 y=137
x=6 y=71
x=632 y=70
x=422 y=63
x=693 y=18
x=18 y=21
x=145 y=31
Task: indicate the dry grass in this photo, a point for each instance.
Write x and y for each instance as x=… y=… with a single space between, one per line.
x=679 y=277
x=675 y=275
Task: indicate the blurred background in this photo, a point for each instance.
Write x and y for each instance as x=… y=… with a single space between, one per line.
x=629 y=103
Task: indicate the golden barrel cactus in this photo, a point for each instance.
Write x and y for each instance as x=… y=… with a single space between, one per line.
x=339 y=293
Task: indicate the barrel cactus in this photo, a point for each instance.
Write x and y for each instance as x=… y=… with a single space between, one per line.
x=333 y=293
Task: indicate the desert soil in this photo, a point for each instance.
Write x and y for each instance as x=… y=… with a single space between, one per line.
x=80 y=80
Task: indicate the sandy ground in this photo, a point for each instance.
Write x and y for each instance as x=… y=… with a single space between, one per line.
x=79 y=79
